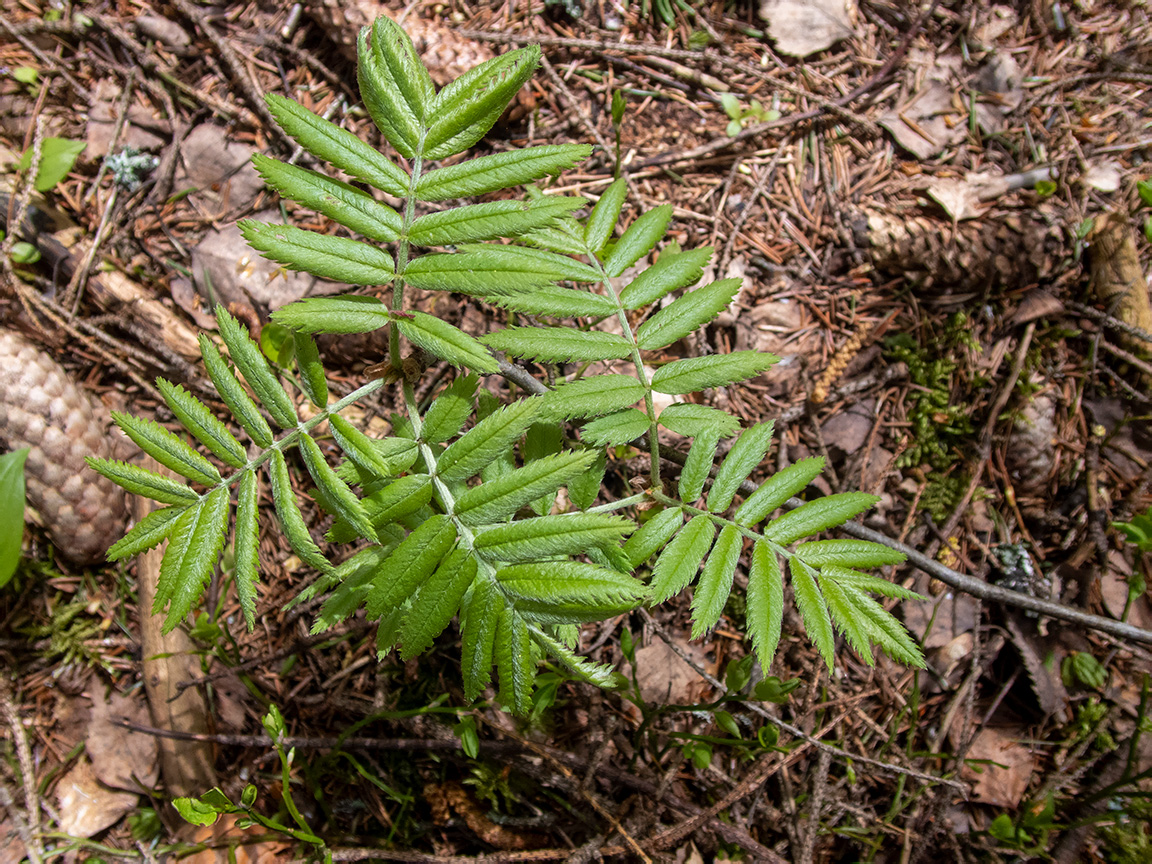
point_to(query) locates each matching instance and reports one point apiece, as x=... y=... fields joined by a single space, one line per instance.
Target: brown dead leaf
x=86 y=806
x=210 y=160
x=446 y=798
x=120 y=758
x=1114 y=590
x=1003 y=782
x=938 y=620
x=803 y=27
x=928 y=122
x=665 y=678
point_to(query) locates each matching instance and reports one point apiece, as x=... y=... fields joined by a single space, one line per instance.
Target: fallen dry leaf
x=1003 y=782
x=86 y=806
x=664 y=678
x=948 y=616
x=803 y=27
x=226 y=845
x=120 y=758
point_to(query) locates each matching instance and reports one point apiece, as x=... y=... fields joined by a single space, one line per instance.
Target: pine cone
x=42 y=408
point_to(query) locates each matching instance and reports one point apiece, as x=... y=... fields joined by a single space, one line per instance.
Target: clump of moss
x=938 y=423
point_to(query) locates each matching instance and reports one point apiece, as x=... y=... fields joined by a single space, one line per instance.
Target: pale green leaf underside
x=140 y=481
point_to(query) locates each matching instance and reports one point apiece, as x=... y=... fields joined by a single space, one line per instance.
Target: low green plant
x=441 y=522
x=11 y=512
x=740 y=116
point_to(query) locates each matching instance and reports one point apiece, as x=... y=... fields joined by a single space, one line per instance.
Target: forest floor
x=937 y=217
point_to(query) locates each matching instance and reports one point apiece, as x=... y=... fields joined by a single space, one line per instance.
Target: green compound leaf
x=479 y=616
x=714 y=370
x=858 y=581
x=313 y=380
x=351 y=581
x=568 y=592
x=198 y=556
x=338 y=201
x=489 y=221
x=671 y=272
x=250 y=361
x=697 y=465
x=616 y=429
x=765 y=597
x=716 y=580
x=847 y=554
x=502 y=497
x=550 y=536
x=638 y=240
x=678 y=563
x=140 y=481
x=450 y=410
x=604 y=216
x=167 y=449
x=557 y=302
x=559 y=344
x=692 y=421
x=291 y=519
x=238 y=402
x=494 y=271
x=205 y=428
x=498 y=171
x=247 y=544
x=848 y=619
x=817 y=516
x=778 y=489
x=591 y=397
x=887 y=632
x=686 y=314
x=399 y=499
x=514 y=661
x=437 y=602
x=485 y=441
x=596 y=674
x=442 y=340
x=813 y=609
x=323 y=255
x=467 y=108
x=337 y=146
x=394 y=114
x=653 y=535
x=335 y=491
x=746 y=454
x=409 y=565
x=150 y=531
x=348 y=313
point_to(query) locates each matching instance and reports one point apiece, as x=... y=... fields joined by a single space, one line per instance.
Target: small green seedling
x=57 y=156
x=739 y=116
